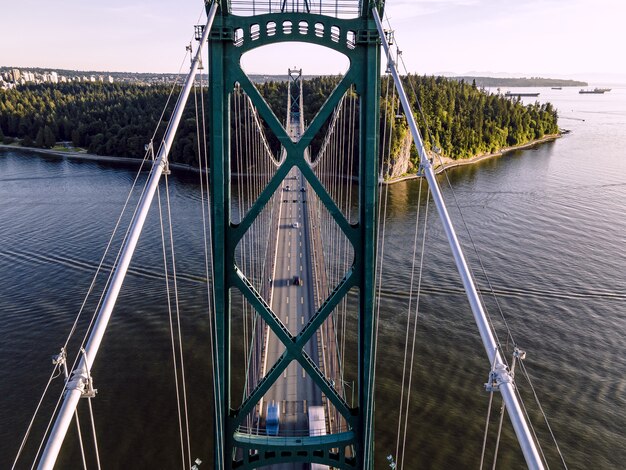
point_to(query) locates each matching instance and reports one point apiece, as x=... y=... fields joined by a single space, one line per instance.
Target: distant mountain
x=492 y=82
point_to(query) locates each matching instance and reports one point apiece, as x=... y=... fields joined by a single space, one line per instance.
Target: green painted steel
x=230 y=38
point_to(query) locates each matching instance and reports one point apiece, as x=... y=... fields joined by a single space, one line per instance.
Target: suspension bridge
x=298 y=234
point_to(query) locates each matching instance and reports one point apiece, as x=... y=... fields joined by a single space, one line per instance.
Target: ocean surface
x=548 y=224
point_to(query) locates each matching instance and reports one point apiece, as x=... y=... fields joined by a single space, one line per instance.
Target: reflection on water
x=548 y=224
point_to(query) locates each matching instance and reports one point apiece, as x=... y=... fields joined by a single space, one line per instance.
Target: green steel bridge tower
x=355 y=35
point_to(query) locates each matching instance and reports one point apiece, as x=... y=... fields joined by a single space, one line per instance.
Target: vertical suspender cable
x=502 y=375
x=80 y=375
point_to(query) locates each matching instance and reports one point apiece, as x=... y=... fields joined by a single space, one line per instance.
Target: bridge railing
x=257 y=431
x=336 y=8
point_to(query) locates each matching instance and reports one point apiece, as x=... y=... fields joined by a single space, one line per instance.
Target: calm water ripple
x=549 y=225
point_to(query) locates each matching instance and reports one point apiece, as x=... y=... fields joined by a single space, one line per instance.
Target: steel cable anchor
x=501 y=374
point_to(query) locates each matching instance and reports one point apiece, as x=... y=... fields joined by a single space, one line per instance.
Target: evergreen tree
x=48 y=137
x=119 y=119
x=39 y=140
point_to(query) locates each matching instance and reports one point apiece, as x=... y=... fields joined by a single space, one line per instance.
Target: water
x=549 y=226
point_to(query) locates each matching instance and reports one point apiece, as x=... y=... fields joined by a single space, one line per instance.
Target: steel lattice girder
x=364 y=74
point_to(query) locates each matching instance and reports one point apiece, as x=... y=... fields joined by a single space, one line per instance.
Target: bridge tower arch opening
x=346 y=27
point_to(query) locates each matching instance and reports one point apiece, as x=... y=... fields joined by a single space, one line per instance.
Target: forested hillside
x=106 y=119
x=461 y=120
x=119 y=119
x=464 y=120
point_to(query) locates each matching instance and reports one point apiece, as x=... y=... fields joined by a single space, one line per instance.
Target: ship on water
x=595 y=91
x=509 y=94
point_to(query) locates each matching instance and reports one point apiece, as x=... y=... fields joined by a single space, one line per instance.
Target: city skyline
x=552 y=38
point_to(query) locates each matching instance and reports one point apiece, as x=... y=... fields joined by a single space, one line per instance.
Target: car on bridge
x=297 y=281
x=295 y=225
x=272 y=420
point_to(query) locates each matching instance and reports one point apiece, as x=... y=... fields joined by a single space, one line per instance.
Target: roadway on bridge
x=293 y=303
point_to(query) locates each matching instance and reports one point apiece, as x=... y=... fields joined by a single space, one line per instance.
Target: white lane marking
x=302 y=320
x=289 y=255
x=287 y=320
x=300 y=255
x=300 y=243
x=303 y=373
x=300 y=266
x=287 y=299
x=288 y=267
x=301 y=300
x=285 y=375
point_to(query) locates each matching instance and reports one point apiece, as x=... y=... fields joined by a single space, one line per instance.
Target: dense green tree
x=119 y=119
x=48 y=137
x=39 y=140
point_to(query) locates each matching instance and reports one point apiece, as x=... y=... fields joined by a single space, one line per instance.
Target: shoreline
x=445 y=162
x=90 y=156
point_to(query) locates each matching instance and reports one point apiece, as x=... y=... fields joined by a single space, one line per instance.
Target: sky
x=549 y=38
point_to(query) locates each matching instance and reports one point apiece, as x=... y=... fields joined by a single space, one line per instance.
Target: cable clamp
x=424 y=164
x=518 y=355
x=82 y=380
x=149 y=149
x=59 y=359
x=390 y=64
x=165 y=163
x=497 y=376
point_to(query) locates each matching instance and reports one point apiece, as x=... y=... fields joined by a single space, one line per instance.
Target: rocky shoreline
x=441 y=165
x=444 y=163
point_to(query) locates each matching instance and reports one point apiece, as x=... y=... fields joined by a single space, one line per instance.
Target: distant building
x=16 y=74
x=26 y=76
x=110 y=79
x=92 y=79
